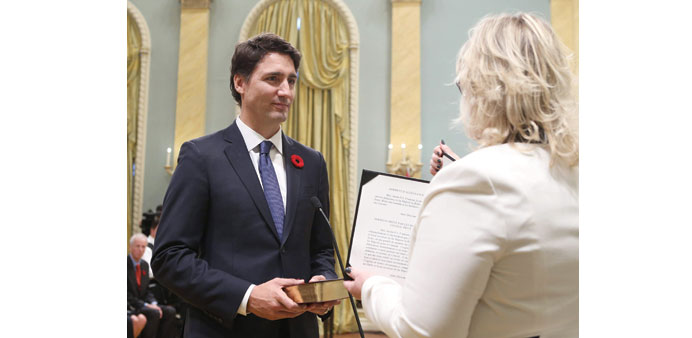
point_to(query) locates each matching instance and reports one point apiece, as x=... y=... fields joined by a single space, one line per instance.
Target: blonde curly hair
x=514 y=75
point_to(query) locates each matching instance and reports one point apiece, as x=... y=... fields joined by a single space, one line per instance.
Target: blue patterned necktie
x=270 y=183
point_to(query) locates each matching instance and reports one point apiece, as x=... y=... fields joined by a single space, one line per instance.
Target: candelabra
x=405 y=166
x=168 y=167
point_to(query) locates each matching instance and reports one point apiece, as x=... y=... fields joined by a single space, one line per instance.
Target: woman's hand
x=359 y=277
x=436 y=161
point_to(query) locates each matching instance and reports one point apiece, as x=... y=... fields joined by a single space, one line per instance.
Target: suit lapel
x=240 y=160
x=292 y=186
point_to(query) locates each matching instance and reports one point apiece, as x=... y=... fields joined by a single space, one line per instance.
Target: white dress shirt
x=252 y=141
x=148 y=253
x=495 y=253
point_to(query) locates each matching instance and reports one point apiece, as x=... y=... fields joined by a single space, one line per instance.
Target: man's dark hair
x=157 y=217
x=155 y=223
x=247 y=54
x=147 y=220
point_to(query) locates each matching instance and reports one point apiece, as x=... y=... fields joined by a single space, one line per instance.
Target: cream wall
x=444 y=27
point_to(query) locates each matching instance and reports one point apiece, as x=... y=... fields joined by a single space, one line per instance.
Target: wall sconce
x=404 y=167
x=168 y=167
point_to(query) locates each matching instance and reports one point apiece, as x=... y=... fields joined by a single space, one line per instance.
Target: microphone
x=318 y=205
x=316 y=202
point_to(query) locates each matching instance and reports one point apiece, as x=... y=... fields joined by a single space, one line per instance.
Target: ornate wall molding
x=354 y=42
x=142 y=107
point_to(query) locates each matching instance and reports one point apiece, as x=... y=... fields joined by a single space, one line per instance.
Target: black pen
x=445 y=154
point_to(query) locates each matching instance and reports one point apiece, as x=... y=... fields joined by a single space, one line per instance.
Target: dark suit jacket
x=217 y=236
x=137 y=296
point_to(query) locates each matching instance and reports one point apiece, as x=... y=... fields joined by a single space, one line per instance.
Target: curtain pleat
x=319 y=116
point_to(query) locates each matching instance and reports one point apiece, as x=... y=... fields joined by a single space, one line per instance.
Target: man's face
x=267 y=95
x=137 y=248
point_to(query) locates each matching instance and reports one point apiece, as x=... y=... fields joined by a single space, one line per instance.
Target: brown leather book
x=315 y=292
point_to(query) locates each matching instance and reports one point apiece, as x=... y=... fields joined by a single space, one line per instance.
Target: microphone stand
x=318 y=205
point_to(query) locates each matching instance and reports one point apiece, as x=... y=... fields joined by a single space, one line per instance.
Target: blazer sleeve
x=321 y=249
x=457 y=239
x=132 y=299
x=176 y=261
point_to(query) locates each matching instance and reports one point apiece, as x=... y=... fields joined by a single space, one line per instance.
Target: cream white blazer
x=495 y=252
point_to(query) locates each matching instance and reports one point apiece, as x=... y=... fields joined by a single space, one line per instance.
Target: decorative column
x=191 y=102
x=564 y=17
x=405 y=89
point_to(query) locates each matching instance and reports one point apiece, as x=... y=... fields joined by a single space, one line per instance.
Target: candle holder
x=404 y=167
x=168 y=167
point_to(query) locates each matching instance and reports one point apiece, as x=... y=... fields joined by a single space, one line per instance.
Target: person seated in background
x=495 y=249
x=160 y=318
x=156 y=289
x=161 y=293
x=149 y=250
x=135 y=324
x=147 y=219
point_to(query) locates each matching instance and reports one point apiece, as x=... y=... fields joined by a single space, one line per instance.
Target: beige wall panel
x=192 y=76
x=565 y=20
x=405 y=85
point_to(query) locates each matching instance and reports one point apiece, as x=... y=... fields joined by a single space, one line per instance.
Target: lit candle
x=403 y=151
x=389 y=153
x=420 y=151
x=168 y=157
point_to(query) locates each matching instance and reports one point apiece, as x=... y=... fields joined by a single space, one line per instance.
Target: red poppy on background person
x=297 y=161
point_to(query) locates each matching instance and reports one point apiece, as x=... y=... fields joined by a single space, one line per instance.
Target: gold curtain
x=134 y=45
x=319 y=116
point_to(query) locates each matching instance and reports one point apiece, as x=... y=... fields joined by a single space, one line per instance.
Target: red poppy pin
x=297 y=161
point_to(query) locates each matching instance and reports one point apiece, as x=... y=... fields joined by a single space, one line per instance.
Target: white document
x=386 y=212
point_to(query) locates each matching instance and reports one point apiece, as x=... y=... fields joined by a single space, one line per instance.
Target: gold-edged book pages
x=317 y=292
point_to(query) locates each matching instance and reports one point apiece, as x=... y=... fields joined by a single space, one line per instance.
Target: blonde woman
x=495 y=250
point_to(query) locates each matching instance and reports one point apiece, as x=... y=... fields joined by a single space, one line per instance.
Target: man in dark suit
x=160 y=320
x=237 y=222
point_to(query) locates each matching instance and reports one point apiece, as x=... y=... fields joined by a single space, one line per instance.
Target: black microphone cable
x=318 y=205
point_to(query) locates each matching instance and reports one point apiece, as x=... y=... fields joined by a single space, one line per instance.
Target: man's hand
x=324 y=307
x=356 y=285
x=269 y=301
x=156 y=307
